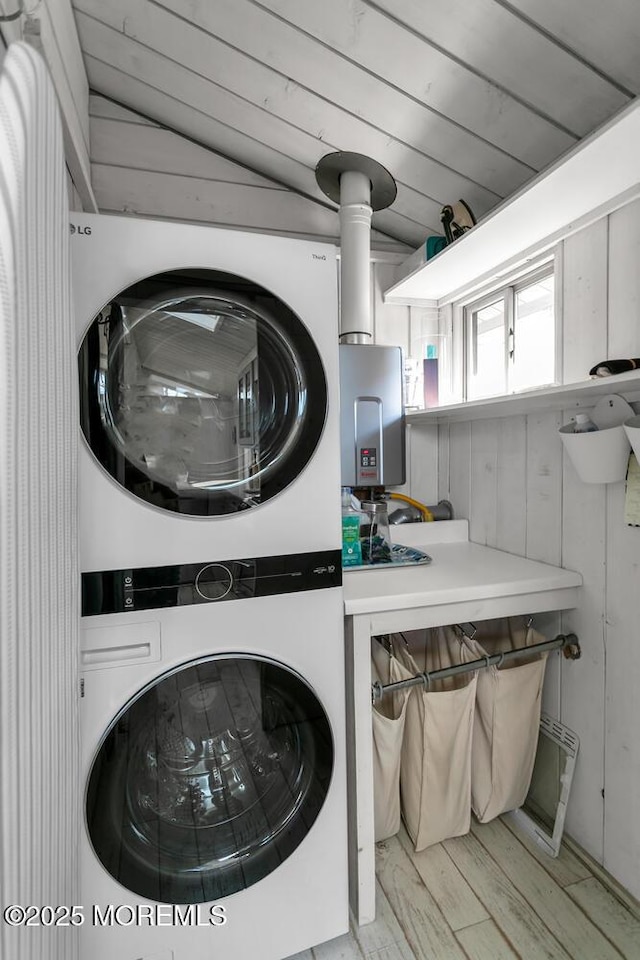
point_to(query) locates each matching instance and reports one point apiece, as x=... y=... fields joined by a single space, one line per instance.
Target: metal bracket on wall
x=571 y=647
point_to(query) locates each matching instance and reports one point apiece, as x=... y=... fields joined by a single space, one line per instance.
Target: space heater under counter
x=372 y=421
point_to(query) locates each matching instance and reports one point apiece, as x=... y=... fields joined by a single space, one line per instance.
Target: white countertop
x=460 y=573
x=465 y=582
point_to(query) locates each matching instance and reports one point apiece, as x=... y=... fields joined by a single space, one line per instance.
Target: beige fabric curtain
x=507 y=718
x=388 y=732
x=435 y=773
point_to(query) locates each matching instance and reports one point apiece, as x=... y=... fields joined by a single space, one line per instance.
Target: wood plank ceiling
x=464 y=99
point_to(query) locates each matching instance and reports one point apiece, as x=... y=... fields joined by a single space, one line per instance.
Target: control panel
x=368 y=457
x=214 y=581
x=149 y=588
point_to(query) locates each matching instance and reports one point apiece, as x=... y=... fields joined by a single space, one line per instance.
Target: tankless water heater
x=372 y=423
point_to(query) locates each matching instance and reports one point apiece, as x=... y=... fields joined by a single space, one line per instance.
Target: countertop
x=466 y=582
x=461 y=572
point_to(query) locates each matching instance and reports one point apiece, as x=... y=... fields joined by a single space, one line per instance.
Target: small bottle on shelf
x=584 y=424
x=351 y=546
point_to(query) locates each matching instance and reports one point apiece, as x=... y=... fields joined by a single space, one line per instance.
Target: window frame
x=507 y=291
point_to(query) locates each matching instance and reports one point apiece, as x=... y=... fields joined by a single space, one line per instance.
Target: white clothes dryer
x=209 y=392
x=213 y=751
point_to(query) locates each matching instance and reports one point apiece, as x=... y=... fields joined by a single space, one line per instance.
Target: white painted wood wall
x=140 y=168
x=49 y=27
x=509 y=477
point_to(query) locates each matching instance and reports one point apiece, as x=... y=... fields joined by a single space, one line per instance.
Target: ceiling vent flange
x=360 y=185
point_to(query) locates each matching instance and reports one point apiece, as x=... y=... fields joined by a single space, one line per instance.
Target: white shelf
x=586 y=393
x=595 y=177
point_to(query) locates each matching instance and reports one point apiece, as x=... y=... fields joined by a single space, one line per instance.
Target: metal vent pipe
x=360 y=185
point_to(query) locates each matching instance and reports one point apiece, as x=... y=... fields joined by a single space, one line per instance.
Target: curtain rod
x=567 y=642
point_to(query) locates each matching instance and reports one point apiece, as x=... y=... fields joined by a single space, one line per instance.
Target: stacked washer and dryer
x=213 y=718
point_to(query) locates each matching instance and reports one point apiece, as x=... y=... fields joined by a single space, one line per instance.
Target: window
x=510 y=337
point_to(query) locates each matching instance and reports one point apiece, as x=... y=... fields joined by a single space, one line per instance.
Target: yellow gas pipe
x=427 y=516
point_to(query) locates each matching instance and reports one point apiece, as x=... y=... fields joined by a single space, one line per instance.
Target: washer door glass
x=201 y=393
x=208 y=779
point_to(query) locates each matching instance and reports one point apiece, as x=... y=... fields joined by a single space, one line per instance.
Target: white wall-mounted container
x=602 y=456
x=632 y=429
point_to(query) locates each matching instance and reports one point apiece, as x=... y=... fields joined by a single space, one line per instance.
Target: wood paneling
x=342 y=948
x=330 y=50
x=564 y=869
x=221 y=119
x=239 y=93
x=511 y=486
x=584 y=318
x=390 y=320
x=455 y=898
x=150 y=194
x=270 y=93
x=483 y=510
x=443 y=463
x=609 y=43
x=385 y=933
x=483 y=941
x=385 y=47
x=622 y=754
x=51 y=29
x=146 y=146
x=624 y=282
x=459 y=491
x=424 y=926
x=582 y=706
x=422 y=464
x=559 y=913
x=616 y=922
x=467 y=102
x=492 y=895
x=142 y=168
x=516 y=917
x=543 y=519
x=502 y=474
x=468 y=33
x=544 y=488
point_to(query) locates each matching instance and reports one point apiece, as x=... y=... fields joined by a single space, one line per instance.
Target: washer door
x=208 y=779
x=201 y=393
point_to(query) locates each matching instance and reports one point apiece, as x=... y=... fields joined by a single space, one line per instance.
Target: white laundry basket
x=507 y=718
x=388 y=718
x=435 y=772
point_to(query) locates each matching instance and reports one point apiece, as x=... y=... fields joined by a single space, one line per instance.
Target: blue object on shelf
x=434 y=245
x=400 y=557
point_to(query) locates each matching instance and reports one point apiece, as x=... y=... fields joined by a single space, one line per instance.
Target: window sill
x=568 y=396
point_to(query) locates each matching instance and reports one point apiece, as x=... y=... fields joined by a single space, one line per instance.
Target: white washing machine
x=213 y=745
x=208 y=393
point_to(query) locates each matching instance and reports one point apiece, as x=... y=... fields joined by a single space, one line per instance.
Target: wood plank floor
x=490 y=895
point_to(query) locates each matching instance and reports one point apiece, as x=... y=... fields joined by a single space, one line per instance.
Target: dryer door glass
x=209 y=779
x=201 y=393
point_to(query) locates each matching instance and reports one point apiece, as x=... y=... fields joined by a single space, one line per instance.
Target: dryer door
x=201 y=393
x=208 y=779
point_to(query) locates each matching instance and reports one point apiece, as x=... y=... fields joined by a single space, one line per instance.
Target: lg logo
x=85 y=231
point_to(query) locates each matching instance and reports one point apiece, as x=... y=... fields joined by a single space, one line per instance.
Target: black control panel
x=152 y=588
x=368 y=457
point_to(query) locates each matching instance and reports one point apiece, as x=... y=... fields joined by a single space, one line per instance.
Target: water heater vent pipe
x=360 y=185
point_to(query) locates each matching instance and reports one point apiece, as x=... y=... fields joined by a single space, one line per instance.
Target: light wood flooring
x=490 y=895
